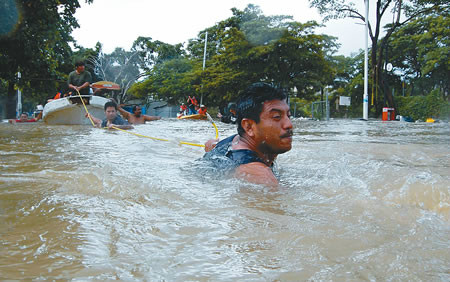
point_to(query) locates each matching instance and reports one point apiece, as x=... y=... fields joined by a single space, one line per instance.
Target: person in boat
x=24 y=118
x=192 y=104
x=264 y=131
x=202 y=110
x=136 y=117
x=80 y=79
x=112 y=118
x=183 y=109
x=230 y=115
x=58 y=95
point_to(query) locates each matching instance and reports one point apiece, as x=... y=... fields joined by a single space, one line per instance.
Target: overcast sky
x=118 y=23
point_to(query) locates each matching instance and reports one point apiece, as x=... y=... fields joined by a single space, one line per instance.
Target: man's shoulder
x=119 y=121
x=257 y=173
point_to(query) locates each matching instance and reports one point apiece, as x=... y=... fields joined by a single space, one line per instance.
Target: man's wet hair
x=110 y=104
x=79 y=63
x=250 y=103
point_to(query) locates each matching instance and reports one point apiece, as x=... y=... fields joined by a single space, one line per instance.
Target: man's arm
x=257 y=173
x=124 y=113
x=210 y=144
x=84 y=85
x=225 y=119
x=120 y=124
x=97 y=122
x=123 y=126
x=150 y=118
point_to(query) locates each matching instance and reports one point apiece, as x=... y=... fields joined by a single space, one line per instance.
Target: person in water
x=230 y=115
x=80 y=79
x=24 y=118
x=112 y=118
x=136 y=117
x=264 y=131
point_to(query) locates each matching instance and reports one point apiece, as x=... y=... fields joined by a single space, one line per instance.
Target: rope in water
x=153 y=138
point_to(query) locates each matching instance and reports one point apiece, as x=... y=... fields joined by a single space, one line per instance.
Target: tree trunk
x=388 y=98
x=11 y=102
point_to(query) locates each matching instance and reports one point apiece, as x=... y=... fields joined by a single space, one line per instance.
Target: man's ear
x=247 y=125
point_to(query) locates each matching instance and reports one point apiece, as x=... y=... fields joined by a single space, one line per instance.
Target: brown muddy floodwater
x=359 y=201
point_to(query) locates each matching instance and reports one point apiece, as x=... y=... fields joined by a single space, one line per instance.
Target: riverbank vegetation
x=36 y=41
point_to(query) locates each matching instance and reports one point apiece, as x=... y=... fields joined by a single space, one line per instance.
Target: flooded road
x=359 y=201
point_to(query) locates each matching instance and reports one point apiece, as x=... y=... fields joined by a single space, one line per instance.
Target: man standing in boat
x=264 y=131
x=136 y=117
x=80 y=79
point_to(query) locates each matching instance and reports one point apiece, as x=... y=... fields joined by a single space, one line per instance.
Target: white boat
x=70 y=110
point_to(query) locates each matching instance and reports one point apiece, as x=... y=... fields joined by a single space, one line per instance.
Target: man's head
x=264 y=117
x=110 y=110
x=232 y=108
x=23 y=117
x=137 y=111
x=79 y=66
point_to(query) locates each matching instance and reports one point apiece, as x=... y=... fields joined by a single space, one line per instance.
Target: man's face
x=80 y=69
x=273 y=133
x=138 y=112
x=23 y=117
x=110 y=113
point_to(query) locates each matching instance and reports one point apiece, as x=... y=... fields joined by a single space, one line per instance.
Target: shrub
x=423 y=107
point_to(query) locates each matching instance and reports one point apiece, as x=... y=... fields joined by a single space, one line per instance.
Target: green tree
x=38 y=46
x=420 y=52
x=242 y=49
x=402 y=12
x=155 y=52
x=253 y=47
x=121 y=67
x=348 y=81
x=170 y=80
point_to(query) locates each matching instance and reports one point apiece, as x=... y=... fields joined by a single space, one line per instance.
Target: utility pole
x=366 y=66
x=19 y=97
x=204 y=62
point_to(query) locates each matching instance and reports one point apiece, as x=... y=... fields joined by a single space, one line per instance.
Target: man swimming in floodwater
x=264 y=131
x=112 y=119
x=24 y=118
x=229 y=115
x=136 y=117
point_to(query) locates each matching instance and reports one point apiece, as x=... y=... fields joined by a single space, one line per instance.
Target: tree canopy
x=420 y=52
x=245 y=48
x=401 y=12
x=35 y=41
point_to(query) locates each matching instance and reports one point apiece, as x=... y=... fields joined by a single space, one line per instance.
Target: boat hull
x=70 y=110
x=197 y=116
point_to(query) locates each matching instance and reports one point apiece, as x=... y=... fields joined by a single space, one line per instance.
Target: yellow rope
x=85 y=108
x=215 y=127
x=153 y=138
